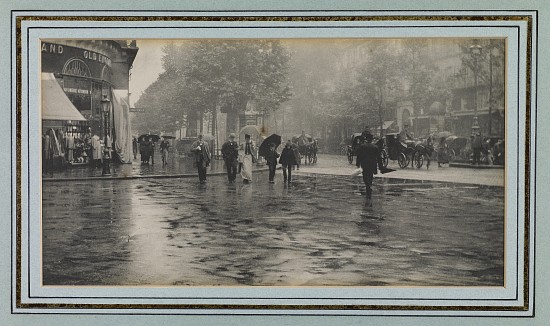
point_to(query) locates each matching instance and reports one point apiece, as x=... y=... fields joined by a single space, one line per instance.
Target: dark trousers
x=287 y=173
x=272 y=168
x=368 y=176
x=201 y=168
x=477 y=155
x=231 y=166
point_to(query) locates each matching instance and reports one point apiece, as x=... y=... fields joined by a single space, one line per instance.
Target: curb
x=471 y=166
x=132 y=177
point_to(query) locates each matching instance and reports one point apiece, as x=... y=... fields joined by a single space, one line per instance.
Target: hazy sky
x=146 y=68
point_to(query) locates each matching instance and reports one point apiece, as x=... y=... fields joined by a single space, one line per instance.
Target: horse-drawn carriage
x=357 y=139
x=308 y=149
x=407 y=152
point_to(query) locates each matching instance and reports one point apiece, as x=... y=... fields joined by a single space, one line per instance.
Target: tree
x=378 y=80
x=204 y=76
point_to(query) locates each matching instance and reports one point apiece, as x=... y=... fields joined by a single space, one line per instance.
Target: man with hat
x=202 y=157
x=368 y=158
x=230 y=153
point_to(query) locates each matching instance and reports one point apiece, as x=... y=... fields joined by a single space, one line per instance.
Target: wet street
x=317 y=232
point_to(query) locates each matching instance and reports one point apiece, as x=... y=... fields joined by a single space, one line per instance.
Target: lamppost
x=475 y=52
x=106 y=108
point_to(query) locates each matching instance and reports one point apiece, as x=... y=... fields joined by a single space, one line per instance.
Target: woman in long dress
x=248 y=159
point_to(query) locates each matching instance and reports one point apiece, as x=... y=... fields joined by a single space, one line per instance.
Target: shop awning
x=55 y=103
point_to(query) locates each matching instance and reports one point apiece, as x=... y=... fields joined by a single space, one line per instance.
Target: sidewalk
x=177 y=167
x=337 y=165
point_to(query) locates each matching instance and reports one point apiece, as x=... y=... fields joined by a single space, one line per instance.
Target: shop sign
x=76 y=90
x=86 y=54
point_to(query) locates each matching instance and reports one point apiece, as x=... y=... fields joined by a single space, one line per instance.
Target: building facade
x=91 y=73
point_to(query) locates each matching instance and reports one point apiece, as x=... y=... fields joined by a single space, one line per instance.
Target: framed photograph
x=274 y=163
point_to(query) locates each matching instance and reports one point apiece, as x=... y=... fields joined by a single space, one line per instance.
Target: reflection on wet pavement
x=316 y=232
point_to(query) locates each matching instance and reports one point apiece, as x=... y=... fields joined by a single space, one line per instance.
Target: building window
x=76 y=67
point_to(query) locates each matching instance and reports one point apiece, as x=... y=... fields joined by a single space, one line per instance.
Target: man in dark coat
x=230 y=153
x=271 y=159
x=288 y=159
x=368 y=158
x=202 y=157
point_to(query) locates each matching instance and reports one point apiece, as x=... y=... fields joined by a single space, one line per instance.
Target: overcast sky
x=146 y=68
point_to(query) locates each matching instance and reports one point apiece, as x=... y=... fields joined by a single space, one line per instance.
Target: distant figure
x=152 y=151
x=134 y=147
x=164 y=145
x=202 y=157
x=302 y=140
x=404 y=135
x=248 y=159
x=230 y=154
x=442 y=152
x=271 y=159
x=96 y=151
x=368 y=158
x=288 y=159
x=145 y=149
x=297 y=155
x=477 y=145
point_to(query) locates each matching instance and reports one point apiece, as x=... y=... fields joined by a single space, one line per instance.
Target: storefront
x=93 y=76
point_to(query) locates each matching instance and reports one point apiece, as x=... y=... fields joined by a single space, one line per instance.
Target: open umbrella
x=153 y=137
x=264 y=147
x=168 y=137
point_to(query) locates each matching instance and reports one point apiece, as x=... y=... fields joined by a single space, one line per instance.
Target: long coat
x=288 y=157
x=368 y=158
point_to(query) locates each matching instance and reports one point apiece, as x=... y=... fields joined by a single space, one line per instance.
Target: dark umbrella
x=168 y=137
x=153 y=138
x=264 y=147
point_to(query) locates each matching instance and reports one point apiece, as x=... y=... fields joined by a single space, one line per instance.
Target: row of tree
x=203 y=76
x=309 y=78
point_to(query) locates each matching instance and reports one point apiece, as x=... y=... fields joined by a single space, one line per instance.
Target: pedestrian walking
x=152 y=152
x=230 y=154
x=248 y=158
x=288 y=160
x=202 y=157
x=146 y=147
x=271 y=159
x=164 y=145
x=368 y=158
x=477 y=145
x=297 y=155
x=135 y=147
x=442 y=152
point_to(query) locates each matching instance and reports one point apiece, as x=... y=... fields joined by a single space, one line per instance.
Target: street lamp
x=475 y=52
x=106 y=108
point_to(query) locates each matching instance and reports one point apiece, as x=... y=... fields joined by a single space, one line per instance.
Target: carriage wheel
x=402 y=160
x=384 y=158
x=418 y=160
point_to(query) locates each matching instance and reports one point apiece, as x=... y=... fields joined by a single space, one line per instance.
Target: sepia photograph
x=287 y=162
